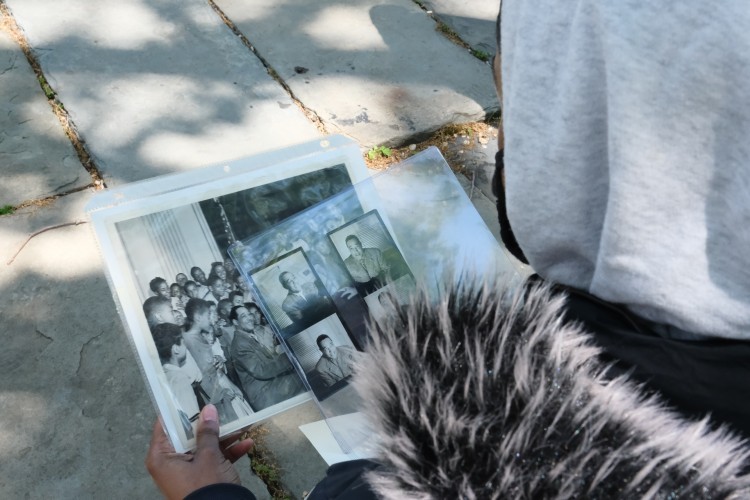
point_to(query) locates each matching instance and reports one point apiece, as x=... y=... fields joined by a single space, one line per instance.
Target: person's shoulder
x=240 y=338
x=190 y=336
x=176 y=375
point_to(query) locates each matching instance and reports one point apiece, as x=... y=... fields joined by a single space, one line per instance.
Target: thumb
x=207 y=435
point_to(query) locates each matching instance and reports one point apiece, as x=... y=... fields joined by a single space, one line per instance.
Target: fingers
x=237 y=450
x=158 y=448
x=207 y=435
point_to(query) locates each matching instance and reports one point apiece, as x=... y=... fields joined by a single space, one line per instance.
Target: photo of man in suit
x=367 y=266
x=336 y=362
x=305 y=303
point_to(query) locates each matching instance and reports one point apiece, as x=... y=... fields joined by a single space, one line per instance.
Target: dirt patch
x=451 y=140
x=264 y=464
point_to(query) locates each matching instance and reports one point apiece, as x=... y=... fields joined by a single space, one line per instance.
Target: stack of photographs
x=164 y=243
x=250 y=285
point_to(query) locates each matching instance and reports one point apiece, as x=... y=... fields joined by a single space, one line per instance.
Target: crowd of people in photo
x=215 y=345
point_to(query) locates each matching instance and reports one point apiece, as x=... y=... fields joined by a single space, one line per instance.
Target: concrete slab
x=301 y=466
x=76 y=416
x=157 y=87
x=36 y=158
x=474 y=21
x=376 y=70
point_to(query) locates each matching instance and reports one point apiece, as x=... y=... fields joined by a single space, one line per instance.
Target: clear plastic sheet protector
x=166 y=226
x=321 y=274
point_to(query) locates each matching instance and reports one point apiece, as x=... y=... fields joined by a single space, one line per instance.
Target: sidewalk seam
x=309 y=113
x=58 y=108
x=452 y=35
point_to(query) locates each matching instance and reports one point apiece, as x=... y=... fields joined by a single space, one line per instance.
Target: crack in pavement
x=60 y=187
x=83 y=348
x=309 y=113
x=12 y=65
x=43 y=335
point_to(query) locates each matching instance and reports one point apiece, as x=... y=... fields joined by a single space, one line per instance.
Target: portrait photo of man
x=304 y=304
x=293 y=294
x=328 y=357
x=336 y=362
x=369 y=253
x=366 y=266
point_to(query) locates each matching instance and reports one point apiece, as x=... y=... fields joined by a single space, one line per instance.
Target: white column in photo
x=167 y=243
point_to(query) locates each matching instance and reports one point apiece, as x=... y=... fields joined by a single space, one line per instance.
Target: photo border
x=374 y=212
x=287 y=331
x=185 y=188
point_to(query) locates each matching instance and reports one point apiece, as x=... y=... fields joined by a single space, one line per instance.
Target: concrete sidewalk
x=157 y=87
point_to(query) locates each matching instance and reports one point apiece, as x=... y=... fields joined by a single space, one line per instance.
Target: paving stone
x=473 y=21
x=36 y=158
x=76 y=414
x=301 y=466
x=376 y=70
x=157 y=87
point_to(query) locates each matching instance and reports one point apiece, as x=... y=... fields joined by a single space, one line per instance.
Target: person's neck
x=195 y=330
x=175 y=362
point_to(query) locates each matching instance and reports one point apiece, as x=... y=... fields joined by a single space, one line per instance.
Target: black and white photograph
x=292 y=293
x=327 y=356
x=369 y=253
x=264 y=372
x=237 y=216
x=308 y=231
x=391 y=300
x=180 y=292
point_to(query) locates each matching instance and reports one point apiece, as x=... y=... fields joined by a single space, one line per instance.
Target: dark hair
x=192 y=308
x=235 y=294
x=213 y=274
x=195 y=268
x=233 y=312
x=175 y=284
x=222 y=303
x=320 y=339
x=352 y=237
x=165 y=336
x=153 y=303
x=212 y=280
x=282 y=280
x=154 y=284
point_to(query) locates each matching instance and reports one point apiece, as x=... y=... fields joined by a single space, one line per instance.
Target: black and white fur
x=489 y=394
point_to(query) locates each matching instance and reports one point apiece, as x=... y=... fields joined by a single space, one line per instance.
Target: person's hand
x=179 y=474
x=218 y=363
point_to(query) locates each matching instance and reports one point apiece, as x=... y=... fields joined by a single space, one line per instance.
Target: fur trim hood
x=490 y=394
